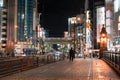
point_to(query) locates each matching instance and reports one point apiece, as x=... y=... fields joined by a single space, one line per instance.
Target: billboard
x=1 y=3
x=109 y=15
x=100 y=20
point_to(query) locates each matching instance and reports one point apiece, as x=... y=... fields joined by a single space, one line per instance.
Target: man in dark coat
x=71 y=54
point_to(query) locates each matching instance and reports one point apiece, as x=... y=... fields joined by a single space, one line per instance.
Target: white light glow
x=22 y=16
x=1 y=3
x=100 y=20
x=119 y=19
x=116 y=5
x=118 y=26
x=73 y=20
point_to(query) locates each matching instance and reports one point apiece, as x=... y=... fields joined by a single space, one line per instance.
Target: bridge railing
x=14 y=65
x=112 y=58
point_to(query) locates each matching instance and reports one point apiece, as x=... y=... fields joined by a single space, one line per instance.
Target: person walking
x=71 y=54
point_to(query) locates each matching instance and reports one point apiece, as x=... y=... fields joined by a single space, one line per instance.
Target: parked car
x=57 y=54
x=80 y=55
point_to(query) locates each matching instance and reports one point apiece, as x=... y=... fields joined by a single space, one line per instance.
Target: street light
x=103 y=41
x=74 y=28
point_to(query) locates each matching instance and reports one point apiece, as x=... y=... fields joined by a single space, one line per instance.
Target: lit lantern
x=103 y=41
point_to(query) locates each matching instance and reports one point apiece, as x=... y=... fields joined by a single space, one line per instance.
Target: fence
x=19 y=64
x=113 y=58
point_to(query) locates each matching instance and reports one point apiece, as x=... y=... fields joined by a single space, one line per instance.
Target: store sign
x=1 y=3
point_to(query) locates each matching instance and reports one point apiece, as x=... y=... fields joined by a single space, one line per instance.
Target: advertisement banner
x=109 y=15
x=1 y=3
x=100 y=20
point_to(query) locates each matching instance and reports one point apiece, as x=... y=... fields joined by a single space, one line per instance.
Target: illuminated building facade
x=108 y=14
x=116 y=25
x=100 y=20
x=11 y=23
x=19 y=21
x=116 y=18
x=71 y=26
x=25 y=19
x=88 y=33
x=3 y=24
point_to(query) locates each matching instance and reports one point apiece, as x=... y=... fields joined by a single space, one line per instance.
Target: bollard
x=119 y=60
x=21 y=65
x=37 y=61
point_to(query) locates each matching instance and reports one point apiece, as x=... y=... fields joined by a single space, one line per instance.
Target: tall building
x=98 y=9
x=116 y=26
x=21 y=15
x=11 y=24
x=25 y=19
x=3 y=24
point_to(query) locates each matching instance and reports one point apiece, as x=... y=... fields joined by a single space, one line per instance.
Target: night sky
x=56 y=12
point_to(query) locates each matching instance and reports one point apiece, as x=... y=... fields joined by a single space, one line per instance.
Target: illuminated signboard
x=109 y=15
x=1 y=3
x=100 y=20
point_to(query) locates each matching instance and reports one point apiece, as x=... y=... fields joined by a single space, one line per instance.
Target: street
x=79 y=69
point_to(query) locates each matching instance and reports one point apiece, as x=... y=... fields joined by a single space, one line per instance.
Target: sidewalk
x=79 y=69
x=103 y=71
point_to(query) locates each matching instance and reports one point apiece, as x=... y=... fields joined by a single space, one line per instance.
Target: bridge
x=47 y=67
x=58 y=40
x=64 y=42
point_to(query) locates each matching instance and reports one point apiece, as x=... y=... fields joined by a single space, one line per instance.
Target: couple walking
x=71 y=54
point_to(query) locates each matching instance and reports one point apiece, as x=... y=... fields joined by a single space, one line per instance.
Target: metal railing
x=19 y=64
x=112 y=58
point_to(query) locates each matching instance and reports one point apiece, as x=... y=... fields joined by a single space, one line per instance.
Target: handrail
x=112 y=58
x=20 y=64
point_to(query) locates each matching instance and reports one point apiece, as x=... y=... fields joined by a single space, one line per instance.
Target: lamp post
x=103 y=41
x=74 y=31
x=79 y=40
x=74 y=35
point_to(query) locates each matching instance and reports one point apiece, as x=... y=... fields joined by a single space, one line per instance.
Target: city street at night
x=79 y=69
x=59 y=39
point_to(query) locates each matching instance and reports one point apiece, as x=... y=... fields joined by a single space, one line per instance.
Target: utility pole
x=74 y=35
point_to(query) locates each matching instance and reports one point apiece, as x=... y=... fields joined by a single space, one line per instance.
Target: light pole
x=74 y=35
x=74 y=31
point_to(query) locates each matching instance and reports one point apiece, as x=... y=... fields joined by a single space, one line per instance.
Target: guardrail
x=14 y=65
x=113 y=59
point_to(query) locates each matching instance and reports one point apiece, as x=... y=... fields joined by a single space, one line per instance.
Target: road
x=79 y=69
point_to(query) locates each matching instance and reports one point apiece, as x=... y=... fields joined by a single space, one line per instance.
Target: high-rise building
x=3 y=24
x=21 y=21
x=11 y=24
x=25 y=19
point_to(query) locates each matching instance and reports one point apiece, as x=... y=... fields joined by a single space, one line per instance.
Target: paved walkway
x=79 y=69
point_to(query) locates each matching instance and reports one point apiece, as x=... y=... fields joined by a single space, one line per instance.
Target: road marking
x=44 y=71
x=67 y=70
x=89 y=71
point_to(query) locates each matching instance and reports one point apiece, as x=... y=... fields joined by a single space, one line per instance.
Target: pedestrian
x=84 y=53
x=71 y=54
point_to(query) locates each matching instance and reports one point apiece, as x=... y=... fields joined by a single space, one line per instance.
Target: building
x=3 y=24
x=25 y=19
x=21 y=21
x=116 y=26
x=76 y=31
x=107 y=12
x=11 y=24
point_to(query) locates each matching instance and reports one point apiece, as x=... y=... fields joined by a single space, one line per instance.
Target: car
x=57 y=54
x=80 y=55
